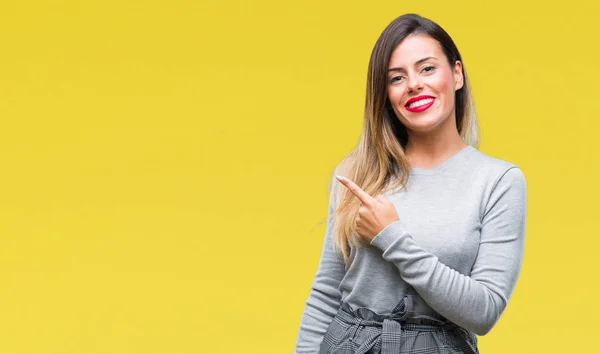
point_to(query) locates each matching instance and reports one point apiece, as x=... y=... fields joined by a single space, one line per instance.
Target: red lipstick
x=420 y=108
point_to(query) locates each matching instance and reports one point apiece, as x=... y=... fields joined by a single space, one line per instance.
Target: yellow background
x=164 y=164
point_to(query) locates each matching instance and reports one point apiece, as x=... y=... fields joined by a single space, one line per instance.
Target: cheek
x=390 y=94
x=395 y=96
x=445 y=88
x=442 y=83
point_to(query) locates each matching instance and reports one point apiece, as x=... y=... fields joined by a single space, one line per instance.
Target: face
x=421 y=85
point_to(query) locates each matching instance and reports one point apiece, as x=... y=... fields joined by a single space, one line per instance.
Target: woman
x=425 y=235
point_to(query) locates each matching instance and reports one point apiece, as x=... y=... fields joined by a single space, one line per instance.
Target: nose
x=414 y=83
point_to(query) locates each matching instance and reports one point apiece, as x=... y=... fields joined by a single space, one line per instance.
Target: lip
x=420 y=108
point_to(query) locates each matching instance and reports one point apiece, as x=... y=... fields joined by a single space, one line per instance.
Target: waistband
x=405 y=311
x=391 y=325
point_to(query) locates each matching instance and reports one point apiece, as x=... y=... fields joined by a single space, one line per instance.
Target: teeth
x=420 y=102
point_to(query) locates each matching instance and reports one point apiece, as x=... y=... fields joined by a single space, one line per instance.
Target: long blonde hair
x=379 y=156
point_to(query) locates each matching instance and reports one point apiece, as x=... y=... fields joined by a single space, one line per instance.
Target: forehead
x=413 y=48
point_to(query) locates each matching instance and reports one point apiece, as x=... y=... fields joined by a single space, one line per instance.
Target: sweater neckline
x=439 y=167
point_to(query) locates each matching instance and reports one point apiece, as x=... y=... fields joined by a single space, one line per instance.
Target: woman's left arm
x=477 y=301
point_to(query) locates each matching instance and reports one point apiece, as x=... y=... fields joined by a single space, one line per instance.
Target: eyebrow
x=416 y=63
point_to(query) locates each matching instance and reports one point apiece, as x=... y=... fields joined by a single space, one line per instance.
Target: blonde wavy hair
x=379 y=156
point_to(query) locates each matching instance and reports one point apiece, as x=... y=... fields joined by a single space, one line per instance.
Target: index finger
x=356 y=190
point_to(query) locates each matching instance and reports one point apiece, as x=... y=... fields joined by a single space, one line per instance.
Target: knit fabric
x=458 y=248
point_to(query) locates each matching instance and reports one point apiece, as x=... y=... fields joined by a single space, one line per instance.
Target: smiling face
x=421 y=85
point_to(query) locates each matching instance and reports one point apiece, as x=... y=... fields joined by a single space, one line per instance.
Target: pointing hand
x=374 y=213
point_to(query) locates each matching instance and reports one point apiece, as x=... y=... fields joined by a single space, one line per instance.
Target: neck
x=427 y=150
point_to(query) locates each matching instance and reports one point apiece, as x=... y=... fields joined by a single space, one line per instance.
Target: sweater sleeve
x=324 y=298
x=476 y=301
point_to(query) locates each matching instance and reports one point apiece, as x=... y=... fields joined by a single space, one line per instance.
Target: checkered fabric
x=364 y=331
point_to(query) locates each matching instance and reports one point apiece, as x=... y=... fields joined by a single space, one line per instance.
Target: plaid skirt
x=364 y=331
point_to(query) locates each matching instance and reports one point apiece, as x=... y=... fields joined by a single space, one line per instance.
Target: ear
x=458 y=76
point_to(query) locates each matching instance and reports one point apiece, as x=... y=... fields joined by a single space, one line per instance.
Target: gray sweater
x=458 y=247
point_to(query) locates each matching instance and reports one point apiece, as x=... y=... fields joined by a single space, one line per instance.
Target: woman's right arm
x=324 y=299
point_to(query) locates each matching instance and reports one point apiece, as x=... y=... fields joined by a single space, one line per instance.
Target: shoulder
x=498 y=179
x=501 y=183
x=495 y=169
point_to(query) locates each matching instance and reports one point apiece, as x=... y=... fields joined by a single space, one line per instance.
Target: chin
x=423 y=125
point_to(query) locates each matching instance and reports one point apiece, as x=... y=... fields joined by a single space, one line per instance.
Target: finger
x=356 y=190
x=382 y=198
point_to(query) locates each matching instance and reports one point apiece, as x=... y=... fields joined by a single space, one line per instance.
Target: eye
x=428 y=68
x=396 y=79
